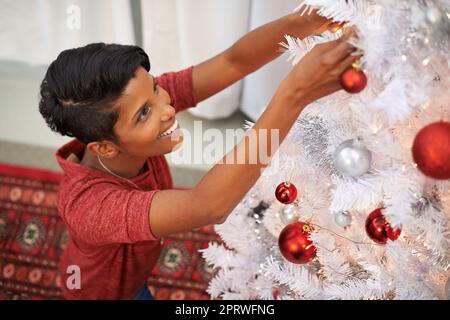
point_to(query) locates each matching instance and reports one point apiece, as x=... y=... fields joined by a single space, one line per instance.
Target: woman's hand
x=302 y=26
x=318 y=73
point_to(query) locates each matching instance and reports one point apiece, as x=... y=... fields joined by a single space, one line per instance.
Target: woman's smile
x=172 y=131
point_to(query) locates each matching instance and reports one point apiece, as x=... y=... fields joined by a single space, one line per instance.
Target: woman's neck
x=122 y=165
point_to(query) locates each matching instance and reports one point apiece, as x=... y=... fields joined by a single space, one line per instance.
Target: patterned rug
x=32 y=237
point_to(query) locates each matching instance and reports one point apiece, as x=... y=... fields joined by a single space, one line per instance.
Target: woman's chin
x=173 y=142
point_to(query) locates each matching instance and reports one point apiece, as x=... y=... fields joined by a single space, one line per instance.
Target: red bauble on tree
x=431 y=150
x=379 y=229
x=354 y=80
x=286 y=192
x=294 y=243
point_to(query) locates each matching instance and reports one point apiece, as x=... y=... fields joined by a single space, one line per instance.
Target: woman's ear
x=104 y=149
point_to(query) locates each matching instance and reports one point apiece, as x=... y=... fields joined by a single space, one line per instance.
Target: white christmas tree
x=350 y=155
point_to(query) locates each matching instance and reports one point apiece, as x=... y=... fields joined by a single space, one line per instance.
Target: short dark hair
x=80 y=86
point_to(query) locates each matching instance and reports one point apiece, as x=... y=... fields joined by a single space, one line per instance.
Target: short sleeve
x=179 y=85
x=107 y=213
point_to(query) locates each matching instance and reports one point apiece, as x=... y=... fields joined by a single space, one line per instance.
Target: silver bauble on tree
x=288 y=214
x=343 y=218
x=352 y=158
x=433 y=14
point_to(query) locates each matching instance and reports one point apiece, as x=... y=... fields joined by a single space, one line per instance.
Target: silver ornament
x=433 y=14
x=288 y=214
x=352 y=158
x=343 y=218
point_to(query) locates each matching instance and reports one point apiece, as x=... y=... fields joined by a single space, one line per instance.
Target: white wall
x=32 y=34
x=20 y=120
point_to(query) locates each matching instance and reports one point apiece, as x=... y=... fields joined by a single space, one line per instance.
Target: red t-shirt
x=107 y=218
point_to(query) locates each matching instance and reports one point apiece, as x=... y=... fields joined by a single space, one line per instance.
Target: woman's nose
x=168 y=113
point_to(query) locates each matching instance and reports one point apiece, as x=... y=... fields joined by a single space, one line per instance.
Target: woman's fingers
x=339 y=53
x=327 y=46
x=346 y=63
x=338 y=50
x=335 y=26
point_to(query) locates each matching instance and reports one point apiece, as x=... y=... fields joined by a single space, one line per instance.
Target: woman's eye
x=144 y=113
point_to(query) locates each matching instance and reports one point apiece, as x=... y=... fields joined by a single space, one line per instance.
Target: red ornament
x=286 y=192
x=379 y=230
x=294 y=243
x=431 y=150
x=353 y=80
x=276 y=293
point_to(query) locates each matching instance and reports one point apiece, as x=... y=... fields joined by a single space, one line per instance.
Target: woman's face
x=146 y=125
